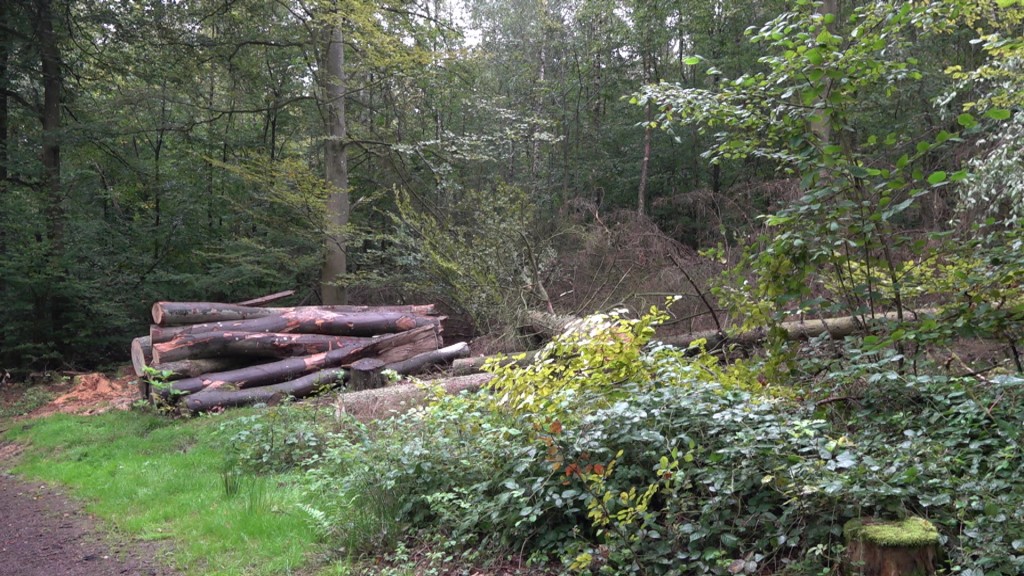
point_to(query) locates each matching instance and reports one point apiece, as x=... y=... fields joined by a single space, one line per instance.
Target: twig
x=700 y=293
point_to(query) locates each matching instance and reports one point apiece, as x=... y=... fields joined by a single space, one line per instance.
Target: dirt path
x=44 y=533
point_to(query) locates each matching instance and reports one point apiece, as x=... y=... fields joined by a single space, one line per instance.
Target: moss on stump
x=906 y=547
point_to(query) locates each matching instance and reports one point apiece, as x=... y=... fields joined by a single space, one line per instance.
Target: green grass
x=154 y=478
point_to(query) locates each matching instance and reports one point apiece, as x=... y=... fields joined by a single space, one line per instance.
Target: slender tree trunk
x=641 y=197
x=336 y=161
x=50 y=302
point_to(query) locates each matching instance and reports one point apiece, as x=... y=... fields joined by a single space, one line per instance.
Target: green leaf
x=936 y=177
x=998 y=113
x=692 y=60
x=814 y=56
x=966 y=120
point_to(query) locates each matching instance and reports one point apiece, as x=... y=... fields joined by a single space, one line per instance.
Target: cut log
x=297 y=388
x=263 y=300
x=383 y=402
x=142 y=354
x=420 y=362
x=249 y=344
x=476 y=364
x=308 y=321
x=191 y=368
x=902 y=548
x=184 y=313
x=366 y=374
x=284 y=370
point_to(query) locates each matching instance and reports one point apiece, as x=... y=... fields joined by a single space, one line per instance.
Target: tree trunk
x=182 y=313
x=283 y=370
x=382 y=402
x=336 y=162
x=420 y=362
x=298 y=388
x=550 y=325
x=142 y=357
x=249 y=344
x=308 y=321
x=464 y=366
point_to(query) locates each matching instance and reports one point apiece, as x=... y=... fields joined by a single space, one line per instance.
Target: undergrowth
x=613 y=455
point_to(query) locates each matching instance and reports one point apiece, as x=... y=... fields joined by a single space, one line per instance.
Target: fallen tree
x=551 y=324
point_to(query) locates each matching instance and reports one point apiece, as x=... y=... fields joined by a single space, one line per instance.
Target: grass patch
x=156 y=479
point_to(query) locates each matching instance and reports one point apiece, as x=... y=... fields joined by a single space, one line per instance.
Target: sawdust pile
x=93 y=394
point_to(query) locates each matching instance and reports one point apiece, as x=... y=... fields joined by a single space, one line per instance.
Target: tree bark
x=283 y=370
x=336 y=163
x=249 y=344
x=182 y=313
x=366 y=373
x=463 y=366
x=309 y=321
x=142 y=356
x=420 y=362
x=297 y=388
x=383 y=402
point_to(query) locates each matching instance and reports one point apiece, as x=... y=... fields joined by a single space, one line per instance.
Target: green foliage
x=484 y=252
x=274 y=440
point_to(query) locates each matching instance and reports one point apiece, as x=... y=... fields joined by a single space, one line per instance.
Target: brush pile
x=207 y=355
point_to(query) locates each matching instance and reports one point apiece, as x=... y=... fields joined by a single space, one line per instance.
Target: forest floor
x=42 y=530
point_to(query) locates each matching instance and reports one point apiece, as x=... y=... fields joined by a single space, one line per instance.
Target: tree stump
x=366 y=374
x=907 y=547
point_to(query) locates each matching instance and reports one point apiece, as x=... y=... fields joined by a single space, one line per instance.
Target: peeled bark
x=297 y=388
x=308 y=321
x=182 y=313
x=284 y=370
x=249 y=344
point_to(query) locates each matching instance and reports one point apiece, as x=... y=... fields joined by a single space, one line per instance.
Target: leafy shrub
x=276 y=439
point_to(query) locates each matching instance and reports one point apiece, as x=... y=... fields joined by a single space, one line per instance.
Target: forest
x=659 y=168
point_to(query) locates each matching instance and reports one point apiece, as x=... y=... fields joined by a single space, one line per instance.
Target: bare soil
x=43 y=532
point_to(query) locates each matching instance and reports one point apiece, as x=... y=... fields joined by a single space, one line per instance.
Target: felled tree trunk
x=183 y=313
x=382 y=402
x=299 y=388
x=905 y=548
x=551 y=325
x=420 y=362
x=284 y=370
x=308 y=321
x=462 y=366
x=249 y=344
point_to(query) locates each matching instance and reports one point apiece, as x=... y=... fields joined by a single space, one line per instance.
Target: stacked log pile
x=211 y=355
